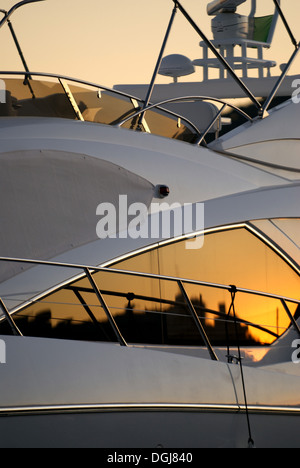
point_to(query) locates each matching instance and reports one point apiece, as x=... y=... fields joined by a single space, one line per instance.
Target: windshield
x=68 y=100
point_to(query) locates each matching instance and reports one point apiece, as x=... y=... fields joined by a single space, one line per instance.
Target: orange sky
x=116 y=41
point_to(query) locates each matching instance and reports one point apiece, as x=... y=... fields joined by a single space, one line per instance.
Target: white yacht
x=115 y=333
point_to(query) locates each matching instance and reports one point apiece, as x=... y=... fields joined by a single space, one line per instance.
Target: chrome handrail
x=190 y=98
x=9 y=13
x=28 y=75
x=95 y=269
x=140 y=112
x=68 y=78
x=59 y=77
x=89 y=270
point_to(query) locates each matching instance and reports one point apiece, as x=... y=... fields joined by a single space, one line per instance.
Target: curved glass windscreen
x=61 y=98
x=34 y=98
x=230 y=257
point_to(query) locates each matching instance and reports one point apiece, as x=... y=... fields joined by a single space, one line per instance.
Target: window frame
x=108 y=265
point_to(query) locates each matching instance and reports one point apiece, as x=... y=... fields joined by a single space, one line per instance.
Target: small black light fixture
x=162 y=191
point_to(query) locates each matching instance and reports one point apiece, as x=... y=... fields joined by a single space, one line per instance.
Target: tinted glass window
x=232 y=257
x=37 y=98
x=71 y=313
x=154 y=311
x=148 y=311
x=33 y=98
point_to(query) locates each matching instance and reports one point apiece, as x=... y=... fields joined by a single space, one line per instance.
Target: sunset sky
x=117 y=41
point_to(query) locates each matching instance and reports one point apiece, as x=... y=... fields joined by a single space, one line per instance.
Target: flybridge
x=220 y=50
x=235 y=32
x=193 y=117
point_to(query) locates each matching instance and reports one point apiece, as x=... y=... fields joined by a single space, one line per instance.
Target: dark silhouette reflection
x=142 y=320
x=221 y=329
x=174 y=325
x=43 y=325
x=158 y=325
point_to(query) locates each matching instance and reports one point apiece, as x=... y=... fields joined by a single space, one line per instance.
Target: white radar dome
x=176 y=65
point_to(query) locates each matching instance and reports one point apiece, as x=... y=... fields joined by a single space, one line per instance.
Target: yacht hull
x=57 y=393
x=146 y=428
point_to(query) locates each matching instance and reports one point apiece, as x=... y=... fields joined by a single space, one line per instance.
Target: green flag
x=262 y=28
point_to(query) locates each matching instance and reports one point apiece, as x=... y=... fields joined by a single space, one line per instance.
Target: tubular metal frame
x=191 y=98
x=262 y=109
x=88 y=270
x=9 y=13
x=107 y=267
x=140 y=111
x=221 y=59
x=65 y=88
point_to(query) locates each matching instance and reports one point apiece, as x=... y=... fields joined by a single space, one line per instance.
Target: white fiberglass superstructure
x=143 y=340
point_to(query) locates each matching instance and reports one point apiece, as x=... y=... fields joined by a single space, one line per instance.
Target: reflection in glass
x=238 y=257
x=152 y=311
x=70 y=313
x=102 y=106
x=37 y=98
x=40 y=99
x=148 y=311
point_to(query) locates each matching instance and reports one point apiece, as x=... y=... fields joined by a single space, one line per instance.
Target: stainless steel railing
x=136 y=104
x=88 y=271
x=138 y=110
x=202 y=136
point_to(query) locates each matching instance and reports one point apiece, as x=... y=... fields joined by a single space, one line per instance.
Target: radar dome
x=176 y=65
